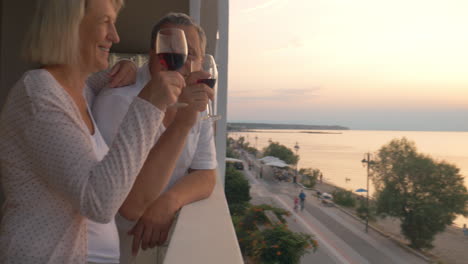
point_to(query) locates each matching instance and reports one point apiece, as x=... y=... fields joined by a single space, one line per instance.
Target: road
x=341 y=238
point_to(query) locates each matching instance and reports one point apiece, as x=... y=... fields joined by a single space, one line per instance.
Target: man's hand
x=153 y=227
x=196 y=96
x=200 y=92
x=122 y=74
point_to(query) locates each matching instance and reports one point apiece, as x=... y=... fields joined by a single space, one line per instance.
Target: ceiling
x=137 y=18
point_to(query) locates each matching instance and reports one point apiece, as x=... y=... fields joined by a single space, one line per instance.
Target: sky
x=364 y=64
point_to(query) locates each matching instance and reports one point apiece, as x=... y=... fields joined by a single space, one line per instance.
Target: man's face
x=194 y=50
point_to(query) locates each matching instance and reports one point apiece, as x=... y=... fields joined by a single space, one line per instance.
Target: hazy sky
x=366 y=64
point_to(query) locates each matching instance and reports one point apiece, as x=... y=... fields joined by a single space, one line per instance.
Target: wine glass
x=171 y=48
x=209 y=65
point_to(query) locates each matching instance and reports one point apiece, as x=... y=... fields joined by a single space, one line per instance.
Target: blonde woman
x=57 y=172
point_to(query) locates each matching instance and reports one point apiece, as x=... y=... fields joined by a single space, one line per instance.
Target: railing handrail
x=204 y=233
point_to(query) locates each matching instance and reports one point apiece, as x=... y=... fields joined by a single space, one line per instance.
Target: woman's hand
x=163 y=89
x=123 y=73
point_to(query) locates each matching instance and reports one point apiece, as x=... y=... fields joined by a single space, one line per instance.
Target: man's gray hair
x=178 y=19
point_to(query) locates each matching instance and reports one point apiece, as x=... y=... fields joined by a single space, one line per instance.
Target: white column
x=195 y=6
x=222 y=49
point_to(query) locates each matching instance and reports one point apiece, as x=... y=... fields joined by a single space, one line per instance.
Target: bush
x=280 y=245
x=274 y=244
x=344 y=198
x=237 y=190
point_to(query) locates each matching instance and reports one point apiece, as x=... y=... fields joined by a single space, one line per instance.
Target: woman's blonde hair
x=53 y=36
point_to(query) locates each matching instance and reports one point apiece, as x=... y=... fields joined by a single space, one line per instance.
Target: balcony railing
x=203 y=234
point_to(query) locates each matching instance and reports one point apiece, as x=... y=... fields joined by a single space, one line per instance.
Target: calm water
x=339 y=156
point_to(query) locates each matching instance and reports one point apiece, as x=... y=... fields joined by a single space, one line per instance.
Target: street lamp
x=296 y=148
x=366 y=161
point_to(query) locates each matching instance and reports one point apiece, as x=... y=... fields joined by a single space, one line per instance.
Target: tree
x=309 y=176
x=251 y=150
x=237 y=190
x=230 y=151
x=282 y=152
x=426 y=195
x=242 y=143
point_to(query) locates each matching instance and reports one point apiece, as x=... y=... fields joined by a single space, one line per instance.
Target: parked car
x=327 y=199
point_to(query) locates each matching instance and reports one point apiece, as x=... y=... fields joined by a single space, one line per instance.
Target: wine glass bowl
x=208 y=65
x=171 y=48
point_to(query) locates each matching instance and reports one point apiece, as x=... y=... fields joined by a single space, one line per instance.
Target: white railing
x=204 y=233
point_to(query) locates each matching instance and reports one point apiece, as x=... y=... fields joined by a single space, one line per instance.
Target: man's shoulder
x=126 y=91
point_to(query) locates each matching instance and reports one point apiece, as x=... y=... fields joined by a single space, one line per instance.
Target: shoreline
x=346 y=146
x=284 y=132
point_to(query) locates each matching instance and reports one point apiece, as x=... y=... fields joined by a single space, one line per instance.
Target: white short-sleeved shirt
x=111 y=105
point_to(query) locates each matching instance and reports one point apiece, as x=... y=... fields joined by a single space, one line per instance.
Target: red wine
x=210 y=82
x=173 y=61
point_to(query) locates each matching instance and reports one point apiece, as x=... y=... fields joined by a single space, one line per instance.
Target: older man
x=185 y=146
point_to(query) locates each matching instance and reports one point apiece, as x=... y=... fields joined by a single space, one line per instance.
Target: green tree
x=237 y=190
x=251 y=150
x=426 y=195
x=242 y=143
x=230 y=141
x=282 y=152
x=344 y=198
x=309 y=176
x=230 y=152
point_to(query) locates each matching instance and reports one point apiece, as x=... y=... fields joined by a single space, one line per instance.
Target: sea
x=338 y=153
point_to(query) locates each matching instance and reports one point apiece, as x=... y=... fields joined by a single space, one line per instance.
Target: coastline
x=287 y=131
x=339 y=156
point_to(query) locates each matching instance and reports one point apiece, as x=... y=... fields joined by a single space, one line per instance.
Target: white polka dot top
x=51 y=178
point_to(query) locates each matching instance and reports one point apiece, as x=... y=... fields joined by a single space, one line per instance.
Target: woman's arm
x=156 y=172
x=60 y=150
x=162 y=159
